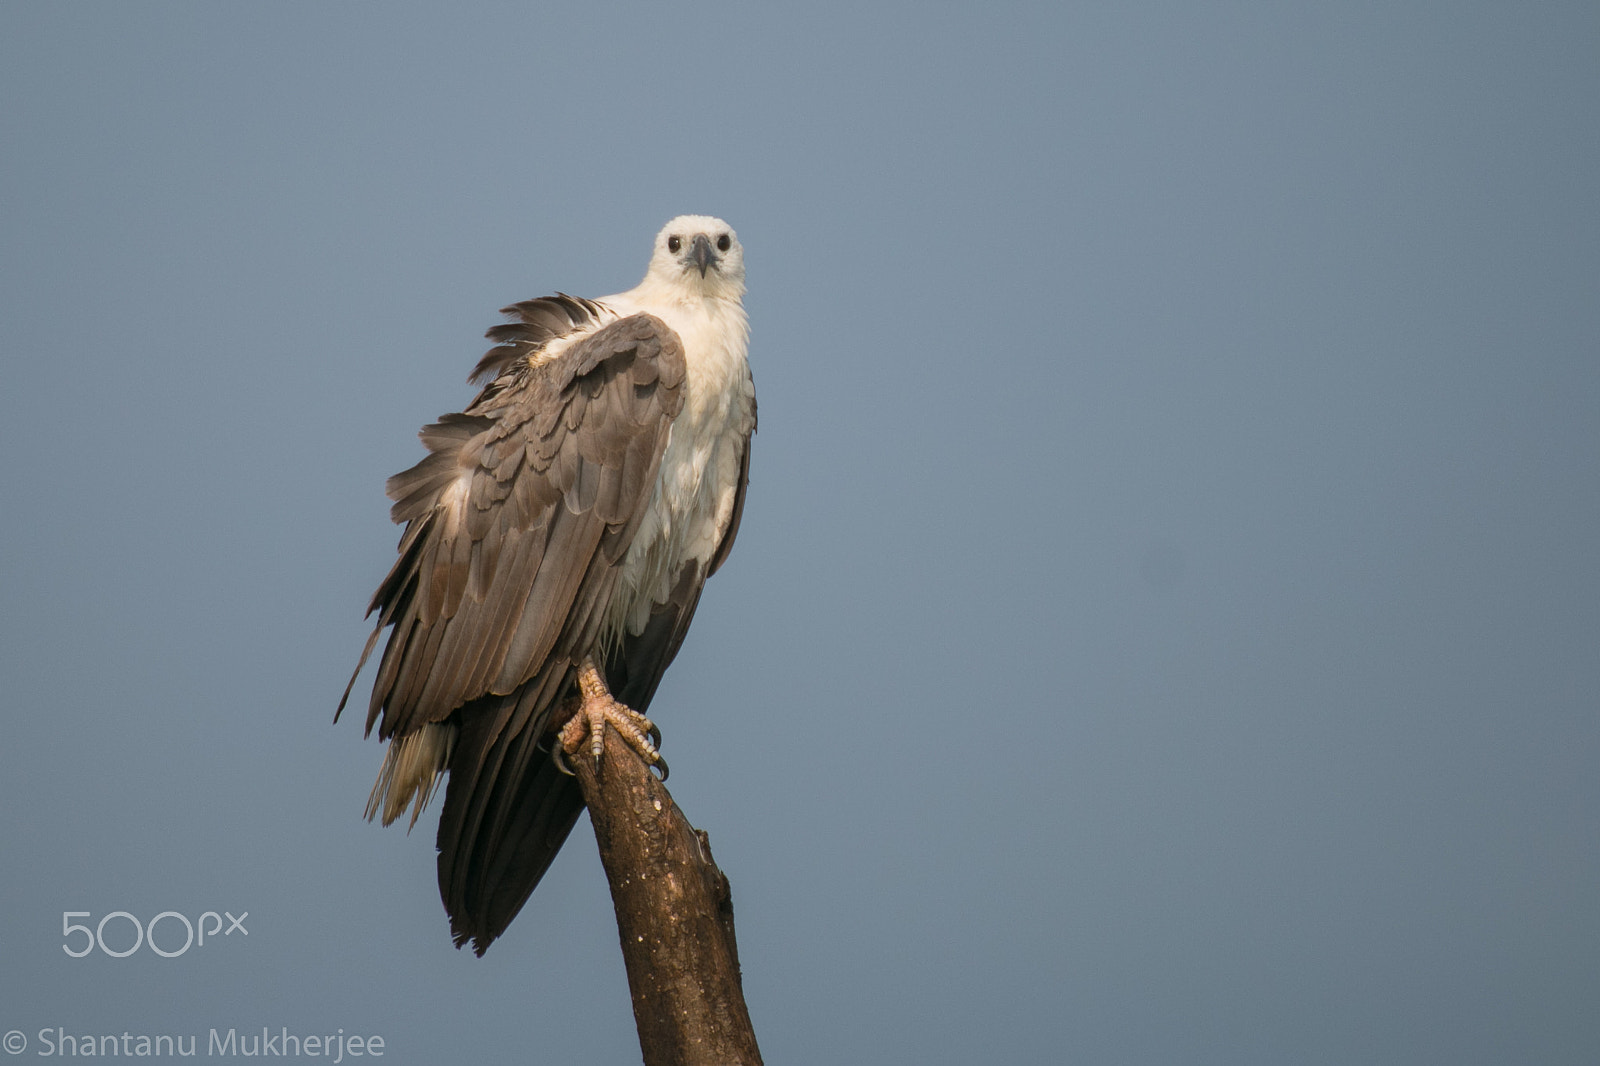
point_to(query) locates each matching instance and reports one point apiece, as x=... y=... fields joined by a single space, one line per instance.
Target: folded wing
x=516 y=524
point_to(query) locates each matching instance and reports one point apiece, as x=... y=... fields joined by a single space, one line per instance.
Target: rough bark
x=674 y=916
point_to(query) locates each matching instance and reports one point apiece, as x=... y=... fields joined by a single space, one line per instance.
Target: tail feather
x=508 y=808
x=507 y=811
x=412 y=769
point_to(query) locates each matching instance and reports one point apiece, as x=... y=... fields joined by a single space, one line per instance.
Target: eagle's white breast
x=692 y=502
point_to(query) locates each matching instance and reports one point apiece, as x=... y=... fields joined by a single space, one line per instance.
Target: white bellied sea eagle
x=556 y=540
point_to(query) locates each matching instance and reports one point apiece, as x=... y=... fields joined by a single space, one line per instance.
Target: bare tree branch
x=674 y=917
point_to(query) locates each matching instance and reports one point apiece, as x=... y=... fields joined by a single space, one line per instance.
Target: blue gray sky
x=1166 y=621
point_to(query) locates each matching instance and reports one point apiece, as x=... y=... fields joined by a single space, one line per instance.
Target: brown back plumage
x=535 y=323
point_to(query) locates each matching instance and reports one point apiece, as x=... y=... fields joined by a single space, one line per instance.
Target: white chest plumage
x=692 y=503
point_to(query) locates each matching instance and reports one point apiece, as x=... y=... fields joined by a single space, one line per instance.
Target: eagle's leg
x=597 y=709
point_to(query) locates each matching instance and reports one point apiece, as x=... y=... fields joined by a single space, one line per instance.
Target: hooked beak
x=701 y=253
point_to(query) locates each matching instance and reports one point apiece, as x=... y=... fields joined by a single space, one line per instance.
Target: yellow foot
x=596 y=710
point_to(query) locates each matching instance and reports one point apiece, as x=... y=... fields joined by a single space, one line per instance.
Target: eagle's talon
x=661 y=765
x=559 y=757
x=596 y=709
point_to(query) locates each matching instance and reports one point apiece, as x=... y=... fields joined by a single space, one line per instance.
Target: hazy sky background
x=1166 y=622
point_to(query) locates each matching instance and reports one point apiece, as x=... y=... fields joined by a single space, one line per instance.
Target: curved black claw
x=655 y=735
x=661 y=765
x=559 y=757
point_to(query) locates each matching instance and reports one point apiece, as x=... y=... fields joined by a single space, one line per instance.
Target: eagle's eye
x=674 y=243
x=723 y=242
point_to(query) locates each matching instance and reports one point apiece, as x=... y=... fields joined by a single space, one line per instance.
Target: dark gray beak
x=702 y=254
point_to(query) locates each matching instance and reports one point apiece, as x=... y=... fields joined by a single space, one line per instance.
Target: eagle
x=557 y=537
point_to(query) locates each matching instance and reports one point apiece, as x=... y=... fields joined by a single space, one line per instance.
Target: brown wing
x=516 y=523
x=545 y=475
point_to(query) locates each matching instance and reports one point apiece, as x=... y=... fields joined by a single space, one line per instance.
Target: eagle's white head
x=697 y=255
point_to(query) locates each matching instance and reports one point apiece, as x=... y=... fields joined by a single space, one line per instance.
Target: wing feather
x=478 y=659
x=550 y=601
x=504 y=514
x=538 y=322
